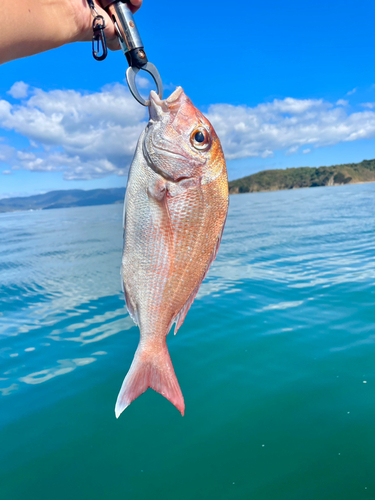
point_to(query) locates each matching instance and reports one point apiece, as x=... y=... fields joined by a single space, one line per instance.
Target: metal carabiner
x=132 y=47
x=98 y=39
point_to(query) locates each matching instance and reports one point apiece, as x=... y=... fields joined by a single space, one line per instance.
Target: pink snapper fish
x=176 y=206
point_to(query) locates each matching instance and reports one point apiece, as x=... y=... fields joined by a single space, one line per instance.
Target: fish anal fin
x=129 y=305
x=150 y=368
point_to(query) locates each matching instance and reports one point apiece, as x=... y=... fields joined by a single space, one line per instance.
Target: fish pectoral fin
x=180 y=186
x=157 y=189
x=150 y=368
x=157 y=193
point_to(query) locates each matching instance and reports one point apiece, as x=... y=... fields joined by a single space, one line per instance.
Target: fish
x=176 y=205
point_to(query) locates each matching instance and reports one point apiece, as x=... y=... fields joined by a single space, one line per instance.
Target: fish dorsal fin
x=180 y=317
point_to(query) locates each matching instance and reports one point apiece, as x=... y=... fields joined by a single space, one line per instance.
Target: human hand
x=35 y=26
x=83 y=21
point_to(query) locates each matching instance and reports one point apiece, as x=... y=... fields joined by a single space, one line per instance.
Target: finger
x=135 y=5
x=113 y=43
x=109 y=30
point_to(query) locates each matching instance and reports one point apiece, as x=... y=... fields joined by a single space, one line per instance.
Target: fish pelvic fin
x=150 y=368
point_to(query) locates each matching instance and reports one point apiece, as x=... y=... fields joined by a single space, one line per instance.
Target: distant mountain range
x=268 y=180
x=64 y=199
x=294 y=178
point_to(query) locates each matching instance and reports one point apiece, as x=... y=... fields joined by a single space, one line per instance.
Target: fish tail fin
x=150 y=368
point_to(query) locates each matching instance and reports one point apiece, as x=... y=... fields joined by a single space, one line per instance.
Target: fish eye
x=200 y=139
x=199 y=136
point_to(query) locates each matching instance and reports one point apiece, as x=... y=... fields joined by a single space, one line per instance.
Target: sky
x=285 y=84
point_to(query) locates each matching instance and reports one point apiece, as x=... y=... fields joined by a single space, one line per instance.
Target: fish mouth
x=154 y=98
x=158 y=107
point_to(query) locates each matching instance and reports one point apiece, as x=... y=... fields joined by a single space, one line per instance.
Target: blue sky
x=285 y=84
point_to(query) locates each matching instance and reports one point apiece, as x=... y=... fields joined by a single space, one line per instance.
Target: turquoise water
x=276 y=359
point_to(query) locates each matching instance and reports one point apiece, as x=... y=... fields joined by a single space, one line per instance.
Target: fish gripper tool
x=131 y=44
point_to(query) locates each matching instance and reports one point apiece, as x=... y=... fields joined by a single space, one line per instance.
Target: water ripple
x=64 y=366
x=289 y=262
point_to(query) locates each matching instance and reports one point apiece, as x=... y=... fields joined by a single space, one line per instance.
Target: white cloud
x=292 y=150
x=6 y=153
x=142 y=82
x=306 y=151
x=92 y=135
x=351 y=92
x=169 y=86
x=368 y=105
x=83 y=135
x=7 y=172
x=342 y=102
x=285 y=125
x=21 y=155
x=19 y=90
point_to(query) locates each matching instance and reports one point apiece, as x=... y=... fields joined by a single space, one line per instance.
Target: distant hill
x=64 y=199
x=268 y=180
x=294 y=178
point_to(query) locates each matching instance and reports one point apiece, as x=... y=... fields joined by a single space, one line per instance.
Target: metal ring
x=131 y=73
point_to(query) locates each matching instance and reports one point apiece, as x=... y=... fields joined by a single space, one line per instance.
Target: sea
x=276 y=358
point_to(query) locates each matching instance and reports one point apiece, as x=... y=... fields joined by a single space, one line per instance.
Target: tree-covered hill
x=294 y=178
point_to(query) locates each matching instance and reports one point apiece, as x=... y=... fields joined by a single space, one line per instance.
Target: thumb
x=110 y=30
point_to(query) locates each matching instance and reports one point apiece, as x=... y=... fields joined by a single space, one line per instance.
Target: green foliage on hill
x=294 y=178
